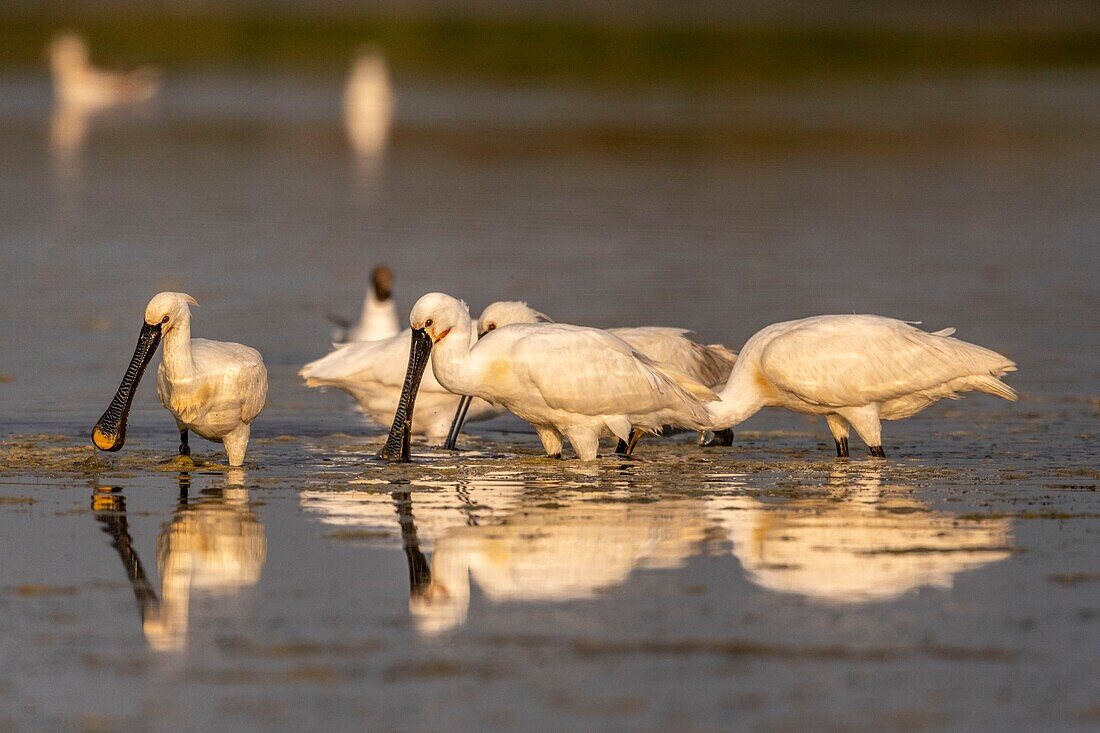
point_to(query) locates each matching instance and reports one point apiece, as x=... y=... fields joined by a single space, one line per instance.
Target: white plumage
x=215 y=389
x=708 y=365
x=568 y=381
x=378 y=318
x=855 y=370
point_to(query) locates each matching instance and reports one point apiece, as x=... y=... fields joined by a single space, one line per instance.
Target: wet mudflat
x=765 y=586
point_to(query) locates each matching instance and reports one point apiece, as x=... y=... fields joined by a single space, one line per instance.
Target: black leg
x=842 y=448
x=554 y=456
x=877 y=451
x=626 y=448
x=719 y=438
x=185 y=450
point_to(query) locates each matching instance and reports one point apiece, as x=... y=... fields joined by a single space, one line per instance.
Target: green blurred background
x=617 y=42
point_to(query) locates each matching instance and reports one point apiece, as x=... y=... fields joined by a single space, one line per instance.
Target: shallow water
x=953 y=585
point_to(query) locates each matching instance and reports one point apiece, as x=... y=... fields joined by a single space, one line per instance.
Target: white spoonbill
x=708 y=365
x=214 y=389
x=368 y=103
x=378 y=319
x=568 y=381
x=373 y=372
x=79 y=84
x=855 y=370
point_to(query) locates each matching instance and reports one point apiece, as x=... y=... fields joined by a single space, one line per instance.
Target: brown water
x=763 y=586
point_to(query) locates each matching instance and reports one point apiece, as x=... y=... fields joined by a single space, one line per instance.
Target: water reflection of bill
x=852 y=541
x=214 y=546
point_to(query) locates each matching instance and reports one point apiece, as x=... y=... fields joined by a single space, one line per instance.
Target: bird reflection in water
x=214 y=546
x=571 y=545
x=856 y=541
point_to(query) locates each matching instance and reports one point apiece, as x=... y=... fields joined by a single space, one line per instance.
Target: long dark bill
x=460 y=418
x=397 y=444
x=110 y=432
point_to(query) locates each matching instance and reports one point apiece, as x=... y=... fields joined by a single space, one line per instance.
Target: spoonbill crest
x=855 y=370
x=214 y=389
x=567 y=381
x=708 y=365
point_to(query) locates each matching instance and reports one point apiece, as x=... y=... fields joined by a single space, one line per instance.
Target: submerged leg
x=185 y=450
x=551 y=440
x=585 y=442
x=715 y=438
x=236 y=444
x=838 y=426
x=866 y=422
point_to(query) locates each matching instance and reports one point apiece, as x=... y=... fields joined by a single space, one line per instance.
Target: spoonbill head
x=567 y=381
x=163 y=312
x=212 y=388
x=855 y=371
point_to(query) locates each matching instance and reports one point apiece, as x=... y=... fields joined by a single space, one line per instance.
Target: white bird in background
x=568 y=381
x=77 y=83
x=378 y=320
x=708 y=365
x=368 y=104
x=372 y=370
x=855 y=370
x=214 y=389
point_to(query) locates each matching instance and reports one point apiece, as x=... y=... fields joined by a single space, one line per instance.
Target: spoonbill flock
x=570 y=383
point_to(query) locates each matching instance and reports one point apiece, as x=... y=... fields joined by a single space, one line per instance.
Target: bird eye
x=427 y=323
x=164 y=320
x=490 y=327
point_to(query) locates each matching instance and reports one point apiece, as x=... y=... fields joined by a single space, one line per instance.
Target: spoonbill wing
x=591 y=372
x=709 y=365
x=857 y=360
x=238 y=369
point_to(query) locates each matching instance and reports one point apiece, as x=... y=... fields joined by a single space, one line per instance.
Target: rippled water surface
x=763 y=586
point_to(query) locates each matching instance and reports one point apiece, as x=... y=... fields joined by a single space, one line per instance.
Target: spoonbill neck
x=177 y=360
x=452 y=361
x=740 y=399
